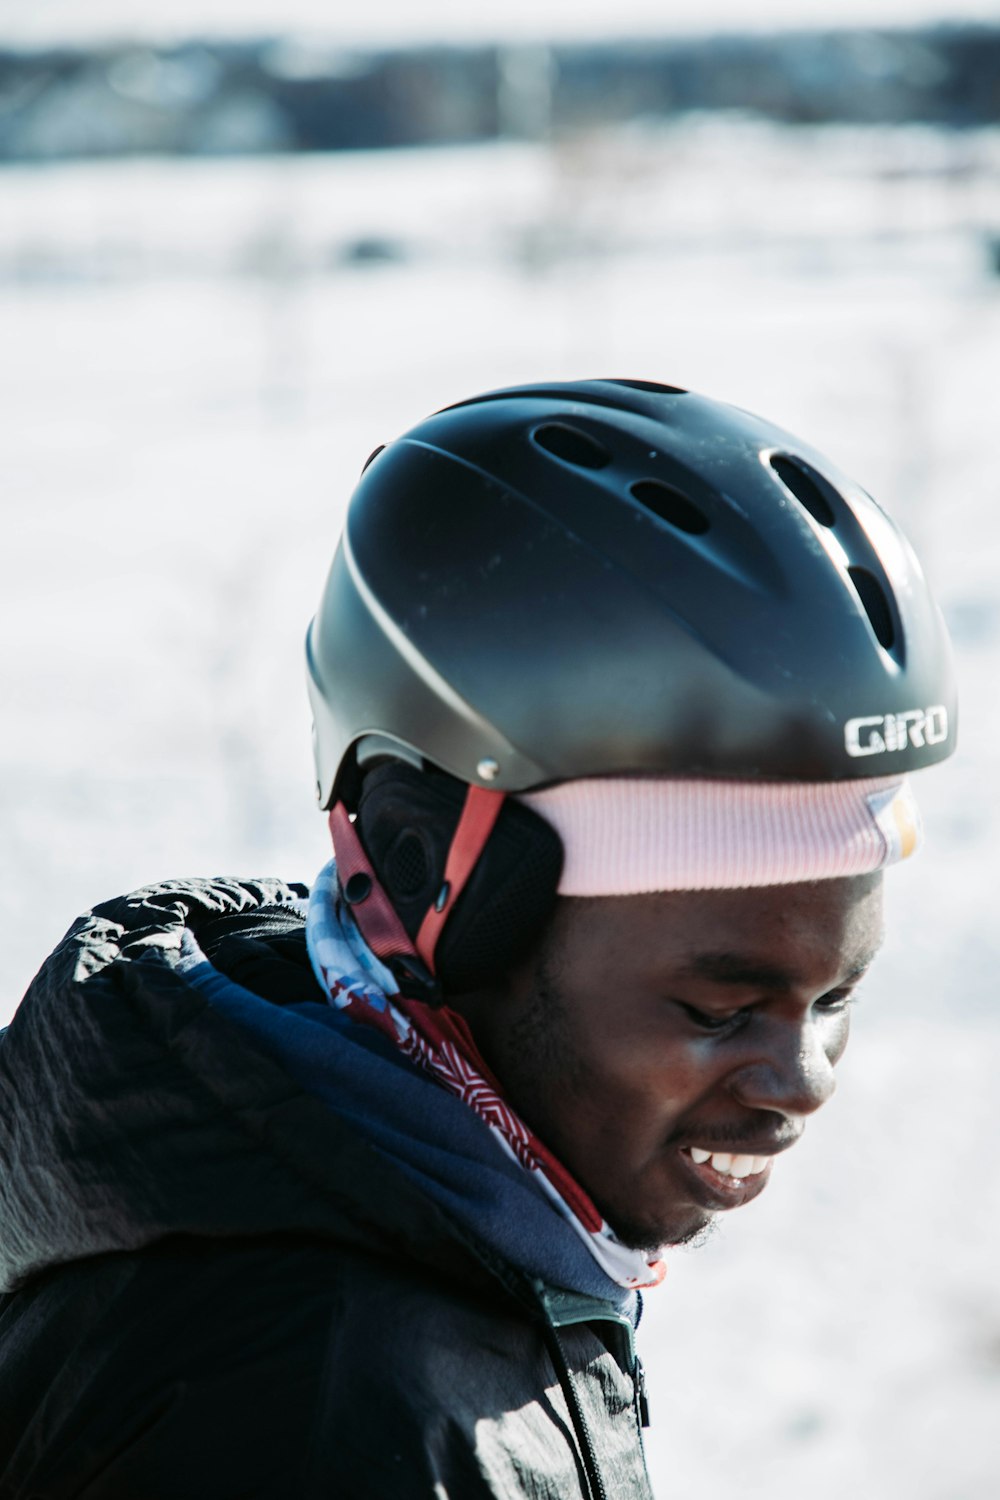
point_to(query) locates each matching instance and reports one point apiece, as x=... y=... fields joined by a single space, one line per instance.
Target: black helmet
x=562 y=581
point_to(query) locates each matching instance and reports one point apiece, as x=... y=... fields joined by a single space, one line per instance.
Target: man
x=354 y=1192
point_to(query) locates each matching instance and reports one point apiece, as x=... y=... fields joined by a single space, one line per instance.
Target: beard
x=637 y=1235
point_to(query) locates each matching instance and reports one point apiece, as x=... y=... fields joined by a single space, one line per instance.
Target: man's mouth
x=728 y=1164
x=725 y=1179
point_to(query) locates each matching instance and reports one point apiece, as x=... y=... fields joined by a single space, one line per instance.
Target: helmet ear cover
x=406 y=821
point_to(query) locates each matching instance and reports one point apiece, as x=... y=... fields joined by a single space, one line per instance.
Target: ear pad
x=406 y=821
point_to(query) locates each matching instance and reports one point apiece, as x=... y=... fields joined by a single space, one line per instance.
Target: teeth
x=728 y=1164
x=743 y=1166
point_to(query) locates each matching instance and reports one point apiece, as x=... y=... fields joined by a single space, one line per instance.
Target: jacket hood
x=134 y=1110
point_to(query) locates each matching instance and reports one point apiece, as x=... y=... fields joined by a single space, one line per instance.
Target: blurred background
x=243 y=244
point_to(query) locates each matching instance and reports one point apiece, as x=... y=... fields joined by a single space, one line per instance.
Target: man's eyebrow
x=740 y=970
x=861 y=967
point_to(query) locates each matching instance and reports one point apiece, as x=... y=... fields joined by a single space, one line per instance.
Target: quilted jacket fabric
x=214 y=1287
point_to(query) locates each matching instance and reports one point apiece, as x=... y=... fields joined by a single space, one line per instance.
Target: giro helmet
x=616 y=577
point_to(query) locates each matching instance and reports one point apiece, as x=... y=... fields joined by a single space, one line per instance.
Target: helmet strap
x=370 y=906
x=374 y=913
x=479 y=814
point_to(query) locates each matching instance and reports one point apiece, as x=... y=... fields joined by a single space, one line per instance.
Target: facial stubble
x=540 y=1062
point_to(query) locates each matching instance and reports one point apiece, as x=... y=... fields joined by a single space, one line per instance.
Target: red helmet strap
x=479 y=814
x=370 y=906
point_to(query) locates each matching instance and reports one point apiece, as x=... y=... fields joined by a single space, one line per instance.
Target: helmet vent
x=653 y=386
x=876 y=605
x=670 y=505
x=804 y=487
x=572 y=445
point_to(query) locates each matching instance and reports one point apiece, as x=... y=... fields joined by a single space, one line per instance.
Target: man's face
x=656 y=1043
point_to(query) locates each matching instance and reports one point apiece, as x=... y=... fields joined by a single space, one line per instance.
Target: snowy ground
x=196 y=358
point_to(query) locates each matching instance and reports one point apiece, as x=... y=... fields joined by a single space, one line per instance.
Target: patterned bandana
x=440 y=1044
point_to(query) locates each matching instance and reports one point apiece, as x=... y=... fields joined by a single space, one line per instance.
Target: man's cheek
x=836 y=1042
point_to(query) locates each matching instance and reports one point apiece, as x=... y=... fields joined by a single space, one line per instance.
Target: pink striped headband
x=626 y=835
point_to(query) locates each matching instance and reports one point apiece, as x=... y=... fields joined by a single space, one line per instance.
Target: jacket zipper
x=561 y=1309
x=641 y=1402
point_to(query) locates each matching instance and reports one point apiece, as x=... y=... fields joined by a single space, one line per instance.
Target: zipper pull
x=641 y=1403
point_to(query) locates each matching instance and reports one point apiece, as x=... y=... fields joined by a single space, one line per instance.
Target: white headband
x=626 y=835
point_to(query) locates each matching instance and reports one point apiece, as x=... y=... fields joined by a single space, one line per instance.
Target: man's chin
x=649 y=1237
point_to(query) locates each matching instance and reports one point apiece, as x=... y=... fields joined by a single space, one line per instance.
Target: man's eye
x=836 y=1001
x=708 y=1022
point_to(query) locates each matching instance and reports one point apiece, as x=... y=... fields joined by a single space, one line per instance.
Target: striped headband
x=626 y=835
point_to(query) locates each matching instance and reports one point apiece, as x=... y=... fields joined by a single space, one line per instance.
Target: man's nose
x=790 y=1074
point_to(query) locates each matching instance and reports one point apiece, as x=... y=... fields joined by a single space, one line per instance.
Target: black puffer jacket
x=214 y=1288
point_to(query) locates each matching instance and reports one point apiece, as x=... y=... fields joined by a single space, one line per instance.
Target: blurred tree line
x=289 y=94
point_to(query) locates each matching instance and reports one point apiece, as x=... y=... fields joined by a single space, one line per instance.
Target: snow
x=197 y=357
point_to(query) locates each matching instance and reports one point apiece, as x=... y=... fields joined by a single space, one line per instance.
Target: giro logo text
x=880 y=734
